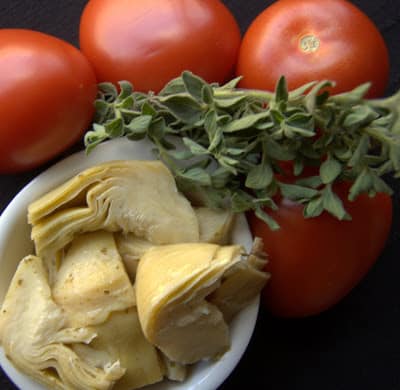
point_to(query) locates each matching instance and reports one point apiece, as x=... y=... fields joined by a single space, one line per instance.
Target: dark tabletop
x=356 y=344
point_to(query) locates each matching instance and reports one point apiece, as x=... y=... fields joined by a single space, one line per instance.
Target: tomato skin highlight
x=47 y=90
x=307 y=40
x=316 y=262
x=151 y=42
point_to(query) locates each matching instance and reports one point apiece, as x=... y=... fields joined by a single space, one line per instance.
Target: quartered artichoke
x=174 y=284
x=129 y=196
x=130 y=284
x=35 y=335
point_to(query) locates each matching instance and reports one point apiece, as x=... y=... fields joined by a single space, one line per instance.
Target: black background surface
x=356 y=344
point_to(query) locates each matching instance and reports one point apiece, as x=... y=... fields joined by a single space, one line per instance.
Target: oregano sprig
x=224 y=143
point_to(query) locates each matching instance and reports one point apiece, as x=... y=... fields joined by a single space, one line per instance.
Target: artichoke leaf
x=129 y=196
x=92 y=282
x=121 y=337
x=172 y=284
x=242 y=283
x=131 y=248
x=33 y=332
x=214 y=225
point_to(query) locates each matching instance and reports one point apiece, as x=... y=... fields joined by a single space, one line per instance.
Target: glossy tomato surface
x=308 y=40
x=150 y=42
x=315 y=262
x=47 y=90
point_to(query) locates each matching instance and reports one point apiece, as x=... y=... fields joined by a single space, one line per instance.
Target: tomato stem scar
x=309 y=43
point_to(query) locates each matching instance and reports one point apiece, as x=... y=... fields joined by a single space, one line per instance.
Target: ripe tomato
x=315 y=262
x=150 y=42
x=46 y=98
x=308 y=40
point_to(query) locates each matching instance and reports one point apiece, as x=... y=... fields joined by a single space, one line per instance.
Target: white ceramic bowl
x=15 y=243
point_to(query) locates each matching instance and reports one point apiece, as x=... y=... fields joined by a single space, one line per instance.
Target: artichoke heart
x=214 y=225
x=131 y=249
x=242 y=283
x=35 y=338
x=121 y=337
x=91 y=281
x=172 y=284
x=140 y=197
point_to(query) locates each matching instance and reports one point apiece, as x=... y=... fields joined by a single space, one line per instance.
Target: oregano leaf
x=259 y=177
x=329 y=170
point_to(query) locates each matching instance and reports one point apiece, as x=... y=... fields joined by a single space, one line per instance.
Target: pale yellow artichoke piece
x=140 y=197
x=172 y=283
x=242 y=283
x=34 y=335
x=131 y=249
x=92 y=282
x=214 y=225
x=174 y=371
x=121 y=337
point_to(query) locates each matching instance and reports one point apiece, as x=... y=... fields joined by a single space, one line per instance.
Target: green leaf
x=114 y=128
x=184 y=108
x=244 y=122
x=277 y=151
x=196 y=175
x=313 y=208
x=231 y=102
x=94 y=137
x=207 y=95
x=241 y=201
x=363 y=183
x=343 y=153
x=380 y=186
x=232 y=83
x=210 y=124
x=298 y=167
x=126 y=89
x=291 y=131
x=108 y=91
x=228 y=163
x=157 y=130
x=195 y=148
x=180 y=154
x=360 y=151
x=220 y=177
x=259 y=177
x=394 y=155
x=329 y=170
x=127 y=103
x=271 y=223
x=148 y=109
x=175 y=86
x=281 y=91
x=311 y=100
x=103 y=110
x=310 y=181
x=297 y=193
x=137 y=128
x=333 y=204
x=359 y=117
x=298 y=92
x=193 y=84
x=302 y=120
x=351 y=97
x=216 y=140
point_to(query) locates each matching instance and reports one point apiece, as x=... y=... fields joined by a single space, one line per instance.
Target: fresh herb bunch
x=229 y=144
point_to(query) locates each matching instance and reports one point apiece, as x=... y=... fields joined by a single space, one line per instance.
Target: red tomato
x=308 y=40
x=149 y=42
x=46 y=98
x=315 y=262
